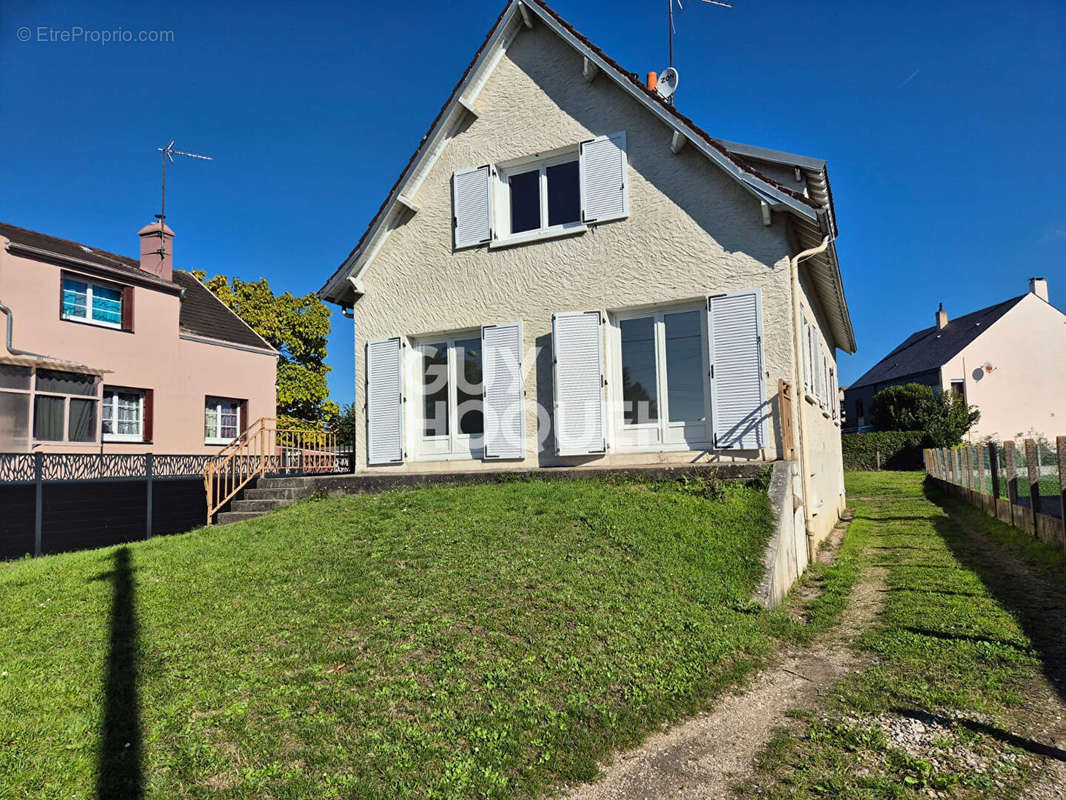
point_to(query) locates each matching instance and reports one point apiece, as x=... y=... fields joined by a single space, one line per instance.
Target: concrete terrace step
x=265 y=493
x=261 y=506
x=227 y=517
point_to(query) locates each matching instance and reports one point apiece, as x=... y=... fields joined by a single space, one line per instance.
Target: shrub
x=914 y=407
x=897 y=449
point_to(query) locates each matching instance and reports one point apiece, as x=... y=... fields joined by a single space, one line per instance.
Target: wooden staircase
x=255 y=473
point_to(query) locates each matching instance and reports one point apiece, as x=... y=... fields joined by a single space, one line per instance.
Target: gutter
x=120 y=274
x=797 y=354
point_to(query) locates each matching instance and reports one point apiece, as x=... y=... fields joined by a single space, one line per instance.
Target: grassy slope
x=485 y=641
x=946 y=644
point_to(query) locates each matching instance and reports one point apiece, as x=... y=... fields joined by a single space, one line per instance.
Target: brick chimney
x=1038 y=286
x=941 y=318
x=157 y=250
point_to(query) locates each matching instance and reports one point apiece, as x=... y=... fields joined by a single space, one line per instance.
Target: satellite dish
x=667 y=83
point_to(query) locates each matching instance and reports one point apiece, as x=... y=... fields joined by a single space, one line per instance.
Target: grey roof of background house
x=930 y=348
x=202 y=314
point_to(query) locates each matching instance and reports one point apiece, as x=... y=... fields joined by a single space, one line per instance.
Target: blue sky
x=944 y=125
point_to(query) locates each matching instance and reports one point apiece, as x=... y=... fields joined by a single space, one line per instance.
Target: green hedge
x=897 y=449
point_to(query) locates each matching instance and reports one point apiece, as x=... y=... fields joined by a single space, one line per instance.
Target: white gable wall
x=692 y=231
x=1025 y=393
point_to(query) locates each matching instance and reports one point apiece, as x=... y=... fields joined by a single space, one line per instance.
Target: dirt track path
x=706 y=755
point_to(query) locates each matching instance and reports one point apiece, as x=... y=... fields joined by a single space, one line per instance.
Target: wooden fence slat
x=993 y=467
x=1032 y=464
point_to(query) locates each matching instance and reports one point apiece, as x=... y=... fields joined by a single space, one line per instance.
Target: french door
x=662 y=396
x=451 y=420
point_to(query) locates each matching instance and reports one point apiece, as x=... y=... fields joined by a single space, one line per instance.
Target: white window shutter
x=384 y=401
x=504 y=390
x=472 y=206
x=738 y=385
x=806 y=357
x=604 y=178
x=577 y=344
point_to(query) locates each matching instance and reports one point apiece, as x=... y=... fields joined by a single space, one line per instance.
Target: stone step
x=227 y=517
x=261 y=492
x=260 y=506
x=284 y=483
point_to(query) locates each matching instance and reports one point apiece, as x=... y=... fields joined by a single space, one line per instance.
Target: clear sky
x=944 y=125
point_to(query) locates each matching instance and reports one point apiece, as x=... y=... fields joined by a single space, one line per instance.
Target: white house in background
x=1008 y=360
x=570 y=272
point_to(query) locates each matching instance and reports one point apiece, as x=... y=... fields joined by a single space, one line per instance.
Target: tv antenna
x=168 y=153
x=673 y=30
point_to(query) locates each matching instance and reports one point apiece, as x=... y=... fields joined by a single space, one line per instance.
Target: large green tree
x=297 y=327
x=945 y=418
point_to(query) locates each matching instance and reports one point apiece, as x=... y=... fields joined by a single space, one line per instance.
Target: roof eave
x=510 y=21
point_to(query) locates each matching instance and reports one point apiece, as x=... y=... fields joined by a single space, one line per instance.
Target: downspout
x=10 y=348
x=797 y=346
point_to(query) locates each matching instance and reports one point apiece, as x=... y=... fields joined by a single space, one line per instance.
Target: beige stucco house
x=571 y=272
x=107 y=354
x=1008 y=360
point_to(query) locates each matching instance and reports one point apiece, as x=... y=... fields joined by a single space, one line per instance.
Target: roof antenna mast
x=672 y=30
x=168 y=153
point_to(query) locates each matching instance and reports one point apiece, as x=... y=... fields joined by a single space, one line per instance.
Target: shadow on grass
x=1006 y=737
x=118 y=769
x=1032 y=600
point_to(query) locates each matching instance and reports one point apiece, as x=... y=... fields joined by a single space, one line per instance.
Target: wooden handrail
x=265 y=448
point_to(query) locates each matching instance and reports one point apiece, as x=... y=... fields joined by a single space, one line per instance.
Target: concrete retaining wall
x=785 y=558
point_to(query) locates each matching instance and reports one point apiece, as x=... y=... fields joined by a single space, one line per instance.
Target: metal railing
x=265 y=449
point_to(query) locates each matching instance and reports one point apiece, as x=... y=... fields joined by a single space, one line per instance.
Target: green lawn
x=957 y=657
x=454 y=642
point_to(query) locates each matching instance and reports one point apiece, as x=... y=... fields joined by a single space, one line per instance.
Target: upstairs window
x=553 y=194
x=542 y=196
x=96 y=303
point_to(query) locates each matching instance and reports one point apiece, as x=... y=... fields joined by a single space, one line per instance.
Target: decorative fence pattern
x=1022 y=484
x=90 y=499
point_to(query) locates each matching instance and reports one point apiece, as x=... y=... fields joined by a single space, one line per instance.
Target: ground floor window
x=452 y=420
x=123 y=415
x=222 y=420
x=661 y=370
x=64 y=407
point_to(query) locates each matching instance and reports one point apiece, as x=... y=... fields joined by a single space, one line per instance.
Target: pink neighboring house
x=104 y=353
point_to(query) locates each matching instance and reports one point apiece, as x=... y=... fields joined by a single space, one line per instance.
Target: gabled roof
x=810 y=204
x=930 y=348
x=201 y=314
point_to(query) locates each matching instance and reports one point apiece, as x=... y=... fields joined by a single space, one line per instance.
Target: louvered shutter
x=806 y=357
x=604 y=178
x=738 y=387
x=472 y=206
x=819 y=377
x=384 y=401
x=577 y=342
x=504 y=411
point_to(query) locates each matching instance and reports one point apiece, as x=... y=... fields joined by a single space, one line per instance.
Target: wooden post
x=1060 y=443
x=968 y=456
x=1032 y=463
x=993 y=467
x=1012 y=475
x=38 y=511
x=981 y=470
x=148 y=498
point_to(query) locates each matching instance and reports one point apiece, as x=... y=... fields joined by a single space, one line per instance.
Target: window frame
x=115 y=391
x=90 y=284
x=219 y=401
x=664 y=433
x=501 y=197
x=454 y=444
x=94 y=398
